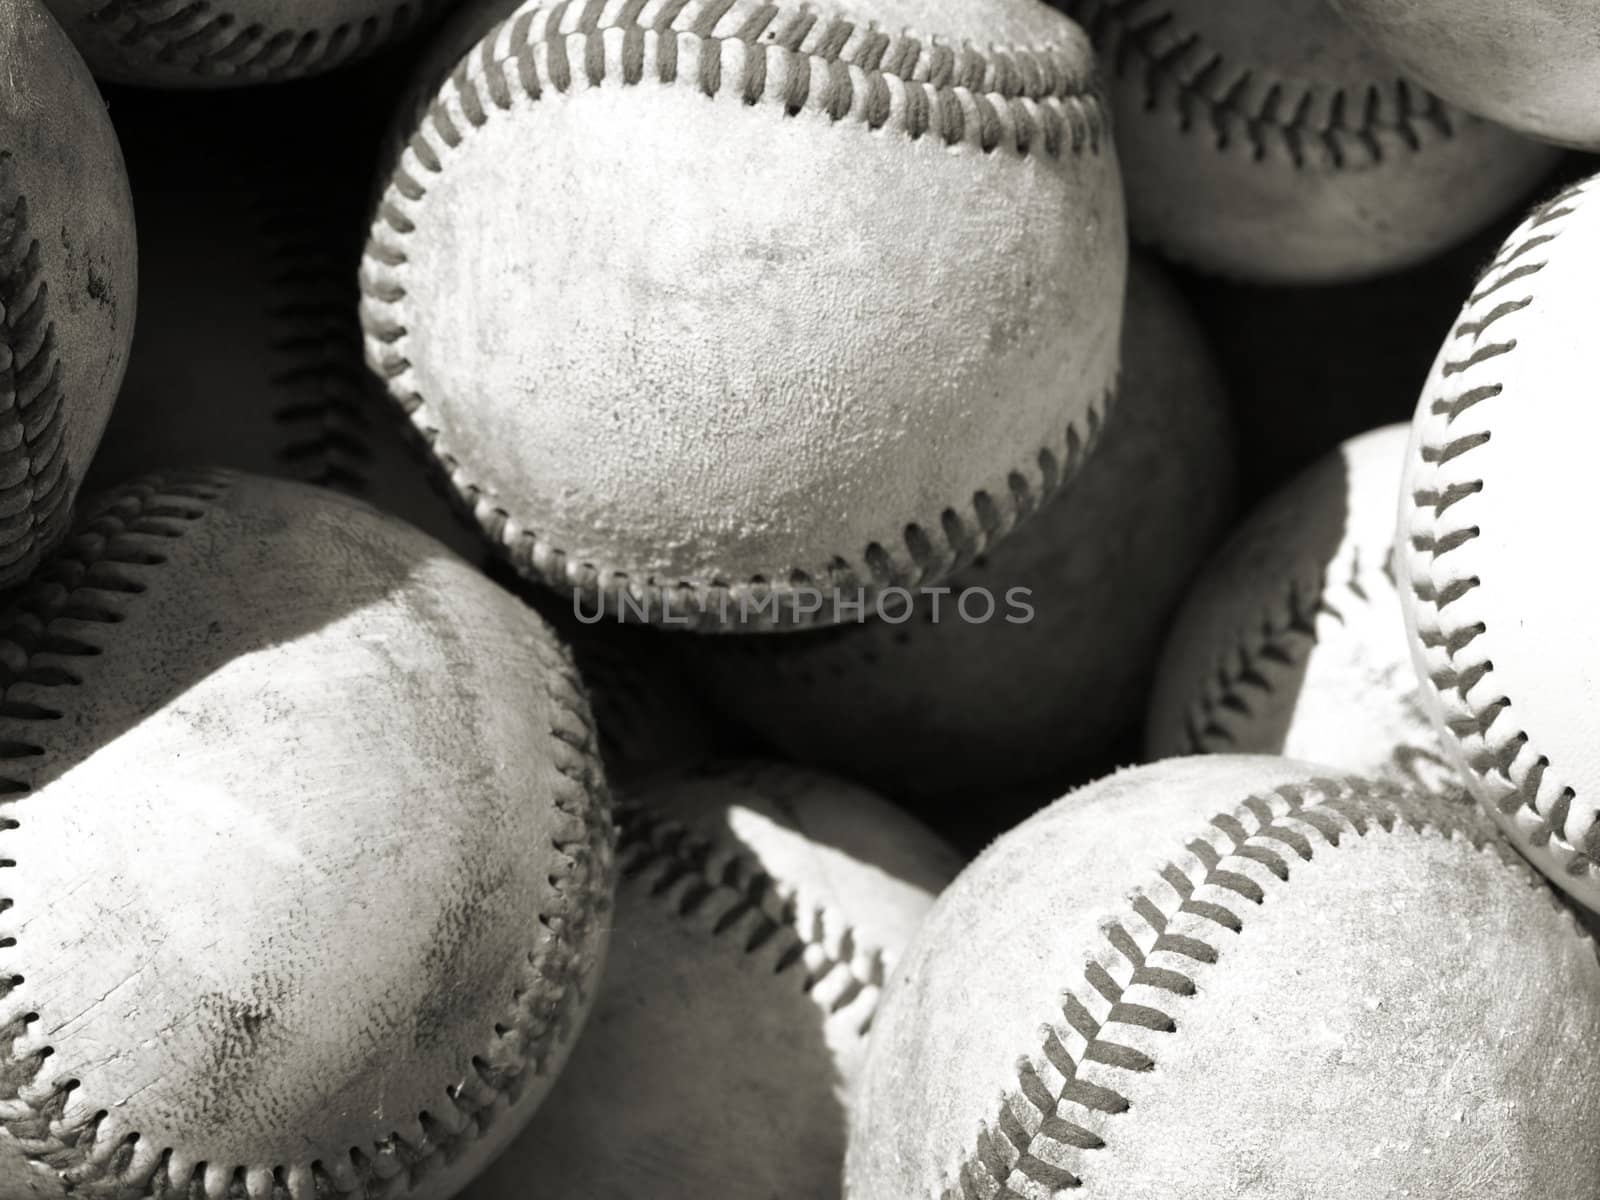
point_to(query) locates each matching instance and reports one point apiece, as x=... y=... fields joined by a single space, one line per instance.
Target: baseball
x=1529 y=65
x=1038 y=656
x=1226 y=976
x=759 y=912
x=67 y=281
x=273 y=926
x=248 y=351
x=1497 y=483
x=1292 y=643
x=1263 y=139
x=707 y=306
x=223 y=43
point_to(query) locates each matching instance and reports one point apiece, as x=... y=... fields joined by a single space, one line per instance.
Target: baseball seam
x=1278 y=640
x=1022 y=100
x=317 y=340
x=1532 y=792
x=728 y=894
x=42 y=640
x=1305 y=122
x=202 y=38
x=1061 y=1107
x=34 y=508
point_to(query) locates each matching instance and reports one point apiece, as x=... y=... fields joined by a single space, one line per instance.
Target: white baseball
x=68 y=281
x=1492 y=543
x=1228 y=977
x=1292 y=641
x=1264 y=139
x=307 y=855
x=760 y=910
x=709 y=303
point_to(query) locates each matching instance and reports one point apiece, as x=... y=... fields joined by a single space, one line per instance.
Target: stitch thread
x=202 y=38
x=1308 y=123
x=34 y=508
x=1531 y=793
x=1281 y=637
x=1018 y=100
x=1048 y=1127
x=87 y=582
x=734 y=898
x=311 y=305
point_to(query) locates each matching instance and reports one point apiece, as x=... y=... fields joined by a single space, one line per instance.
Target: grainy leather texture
x=226 y=43
x=1221 y=977
x=937 y=705
x=68 y=281
x=1496 y=571
x=759 y=912
x=1530 y=65
x=308 y=855
x=1263 y=139
x=709 y=300
x=248 y=351
x=1292 y=642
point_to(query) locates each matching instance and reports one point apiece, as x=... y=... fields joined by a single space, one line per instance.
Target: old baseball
x=1292 y=641
x=1226 y=977
x=759 y=912
x=308 y=861
x=248 y=350
x=67 y=281
x=981 y=687
x=704 y=304
x=1265 y=140
x=224 y=43
x=1496 y=574
x=1531 y=65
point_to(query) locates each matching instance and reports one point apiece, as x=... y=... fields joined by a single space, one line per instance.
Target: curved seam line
x=31 y=374
x=1428 y=505
x=1129 y=34
x=194 y=35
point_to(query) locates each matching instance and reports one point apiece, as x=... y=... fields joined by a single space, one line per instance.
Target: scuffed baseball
x=934 y=700
x=308 y=856
x=1228 y=977
x=248 y=352
x=1292 y=641
x=68 y=280
x=710 y=304
x=1265 y=140
x=227 y=43
x=1531 y=65
x=759 y=912
x=1496 y=573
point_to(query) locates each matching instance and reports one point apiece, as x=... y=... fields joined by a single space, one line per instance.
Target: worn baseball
x=1039 y=655
x=226 y=43
x=706 y=306
x=759 y=912
x=1225 y=976
x=1264 y=139
x=1497 y=485
x=248 y=351
x=68 y=270
x=308 y=859
x=1529 y=65
x=1292 y=641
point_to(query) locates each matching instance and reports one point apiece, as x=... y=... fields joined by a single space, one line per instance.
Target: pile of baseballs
x=643 y=600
